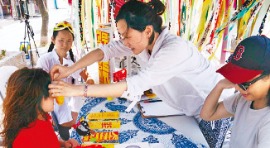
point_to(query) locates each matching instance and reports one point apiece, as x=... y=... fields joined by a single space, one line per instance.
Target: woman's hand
x=71 y=143
x=58 y=72
x=60 y=88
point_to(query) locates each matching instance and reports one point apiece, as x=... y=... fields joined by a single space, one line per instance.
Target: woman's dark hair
x=55 y=33
x=138 y=15
x=25 y=90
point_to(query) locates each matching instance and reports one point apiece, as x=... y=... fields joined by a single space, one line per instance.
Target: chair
x=5 y=72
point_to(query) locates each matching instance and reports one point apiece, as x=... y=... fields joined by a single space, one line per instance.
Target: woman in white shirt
x=175 y=70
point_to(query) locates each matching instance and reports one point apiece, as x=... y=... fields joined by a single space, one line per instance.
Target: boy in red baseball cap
x=247 y=70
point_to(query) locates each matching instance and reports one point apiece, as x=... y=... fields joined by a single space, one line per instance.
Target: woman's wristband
x=85 y=90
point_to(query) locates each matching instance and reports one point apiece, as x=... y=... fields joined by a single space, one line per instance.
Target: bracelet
x=85 y=90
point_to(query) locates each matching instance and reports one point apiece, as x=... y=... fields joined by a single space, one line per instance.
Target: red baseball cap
x=250 y=58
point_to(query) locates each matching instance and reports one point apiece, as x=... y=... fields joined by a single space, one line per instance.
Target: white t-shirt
x=251 y=128
x=176 y=71
x=46 y=62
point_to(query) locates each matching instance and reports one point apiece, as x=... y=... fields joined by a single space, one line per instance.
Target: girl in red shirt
x=26 y=106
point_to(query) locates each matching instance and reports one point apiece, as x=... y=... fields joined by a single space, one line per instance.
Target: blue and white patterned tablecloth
x=135 y=128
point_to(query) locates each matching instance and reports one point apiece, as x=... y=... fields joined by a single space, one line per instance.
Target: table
x=176 y=131
x=14 y=59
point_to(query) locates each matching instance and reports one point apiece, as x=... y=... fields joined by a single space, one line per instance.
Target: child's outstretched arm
x=212 y=109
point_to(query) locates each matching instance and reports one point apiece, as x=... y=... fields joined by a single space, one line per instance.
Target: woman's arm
x=60 y=88
x=212 y=109
x=92 y=57
x=105 y=52
x=58 y=72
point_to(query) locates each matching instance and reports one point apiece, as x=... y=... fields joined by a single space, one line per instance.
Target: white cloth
x=76 y=103
x=5 y=73
x=251 y=128
x=176 y=71
x=46 y=62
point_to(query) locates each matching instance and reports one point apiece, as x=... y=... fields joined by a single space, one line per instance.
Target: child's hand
x=225 y=84
x=90 y=81
x=86 y=77
x=84 y=74
x=71 y=143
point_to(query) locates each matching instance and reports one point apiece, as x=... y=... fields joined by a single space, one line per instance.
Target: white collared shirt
x=48 y=60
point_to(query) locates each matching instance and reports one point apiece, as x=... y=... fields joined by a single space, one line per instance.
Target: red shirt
x=39 y=134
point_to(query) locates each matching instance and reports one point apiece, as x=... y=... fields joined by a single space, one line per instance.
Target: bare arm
x=92 y=57
x=58 y=72
x=60 y=88
x=212 y=109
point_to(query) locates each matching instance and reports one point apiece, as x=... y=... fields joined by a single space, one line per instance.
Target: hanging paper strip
x=222 y=36
x=254 y=13
x=236 y=16
x=205 y=32
x=187 y=25
x=110 y=9
x=179 y=17
x=190 y=28
x=261 y=29
x=205 y=18
x=82 y=24
x=218 y=16
x=94 y=21
x=167 y=14
x=196 y=15
x=98 y=12
x=89 y=25
x=187 y=18
x=183 y=18
x=227 y=7
x=80 y=3
x=172 y=13
x=208 y=31
x=242 y=22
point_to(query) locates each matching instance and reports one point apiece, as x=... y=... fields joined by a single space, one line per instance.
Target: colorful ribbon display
x=202 y=22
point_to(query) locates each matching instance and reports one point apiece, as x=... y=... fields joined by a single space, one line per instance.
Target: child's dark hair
x=139 y=14
x=25 y=90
